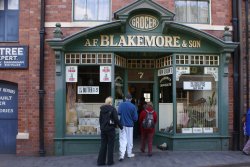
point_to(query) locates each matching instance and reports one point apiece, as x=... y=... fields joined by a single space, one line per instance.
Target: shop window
x=120 y=61
x=165 y=104
x=192 y=11
x=91 y=10
x=196 y=100
x=9 y=19
x=83 y=101
x=197 y=59
x=88 y=58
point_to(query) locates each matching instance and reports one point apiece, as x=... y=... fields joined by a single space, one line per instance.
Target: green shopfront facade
x=182 y=70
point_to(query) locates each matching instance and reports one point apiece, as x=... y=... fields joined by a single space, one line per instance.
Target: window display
x=165 y=104
x=197 y=109
x=83 y=101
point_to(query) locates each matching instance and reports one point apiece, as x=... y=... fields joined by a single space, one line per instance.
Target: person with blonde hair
x=108 y=122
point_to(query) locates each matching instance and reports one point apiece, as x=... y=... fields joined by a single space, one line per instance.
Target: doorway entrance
x=141 y=93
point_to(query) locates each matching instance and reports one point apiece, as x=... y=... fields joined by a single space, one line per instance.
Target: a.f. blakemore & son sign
x=142 y=23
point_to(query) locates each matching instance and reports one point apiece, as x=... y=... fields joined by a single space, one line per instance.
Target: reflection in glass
x=165 y=104
x=83 y=102
x=2 y=5
x=197 y=109
x=92 y=10
x=13 y=4
x=190 y=11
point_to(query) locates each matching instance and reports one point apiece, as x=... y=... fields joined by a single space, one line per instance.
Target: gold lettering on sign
x=194 y=44
x=131 y=40
x=150 y=41
x=144 y=22
x=95 y=42
x=122 y=41
x=104 y=40
x=142 y=41
x=176 y=41
x=87 y=43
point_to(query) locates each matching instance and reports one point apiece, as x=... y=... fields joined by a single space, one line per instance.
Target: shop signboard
x=8 y=117
x=14 y=57
x=8 y=101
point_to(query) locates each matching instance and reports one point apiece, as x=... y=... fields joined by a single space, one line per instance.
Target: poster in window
x=105 y=73
x=71 y=73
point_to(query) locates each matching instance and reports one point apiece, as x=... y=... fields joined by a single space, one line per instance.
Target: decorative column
x=224 y=92
x=59 y=94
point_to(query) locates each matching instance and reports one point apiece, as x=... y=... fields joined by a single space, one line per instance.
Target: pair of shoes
x=109 y=164
x=245 y=153
x=150 y=154
x=131 y=155
x=121 y=158
x=142 y=150
x=101 y=164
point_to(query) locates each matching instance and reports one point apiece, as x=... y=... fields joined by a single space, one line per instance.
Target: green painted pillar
x=59 y=102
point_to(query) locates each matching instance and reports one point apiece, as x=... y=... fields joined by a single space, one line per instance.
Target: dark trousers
x=147 y=137
x=107 y=144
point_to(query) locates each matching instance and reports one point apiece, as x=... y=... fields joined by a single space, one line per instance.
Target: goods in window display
x=71 y=114
x=198 y=117
x=71 y=128
x=88 y=121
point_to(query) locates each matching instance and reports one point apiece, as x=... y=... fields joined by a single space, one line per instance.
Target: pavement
x=159 y=159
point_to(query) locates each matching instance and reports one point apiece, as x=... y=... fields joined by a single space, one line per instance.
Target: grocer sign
x=13 y=57
x=143 y=22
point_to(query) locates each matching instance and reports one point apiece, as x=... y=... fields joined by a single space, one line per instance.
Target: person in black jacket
x=108 y=122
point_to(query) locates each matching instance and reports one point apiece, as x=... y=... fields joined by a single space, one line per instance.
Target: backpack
x=148 y=121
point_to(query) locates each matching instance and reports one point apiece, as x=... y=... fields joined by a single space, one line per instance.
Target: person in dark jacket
x=108 y=122
x=147 y=134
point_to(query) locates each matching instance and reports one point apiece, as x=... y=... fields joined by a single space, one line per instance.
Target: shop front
x=182 y=70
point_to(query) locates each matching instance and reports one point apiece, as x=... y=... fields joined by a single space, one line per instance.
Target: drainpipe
x=41 y=82
x=247 y=51
x=236 y=76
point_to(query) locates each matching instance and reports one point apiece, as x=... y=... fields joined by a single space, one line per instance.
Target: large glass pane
x=1 y=4
x=119 y=86
x=2 y=26
x=83 y=101
x=79 y=9
x=103 y=10
x=197 y=109
x=180 y=11
x=203 y=12
x=91 y=10
x=13 y=4
x=192 y=11
x=12 y=25
x=165 y=104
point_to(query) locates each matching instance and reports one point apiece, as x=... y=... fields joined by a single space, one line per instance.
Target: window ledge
x=74 y=24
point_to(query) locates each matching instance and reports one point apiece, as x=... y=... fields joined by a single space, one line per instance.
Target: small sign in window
x=197 y=85
x=71 y=73
x=88 y=90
